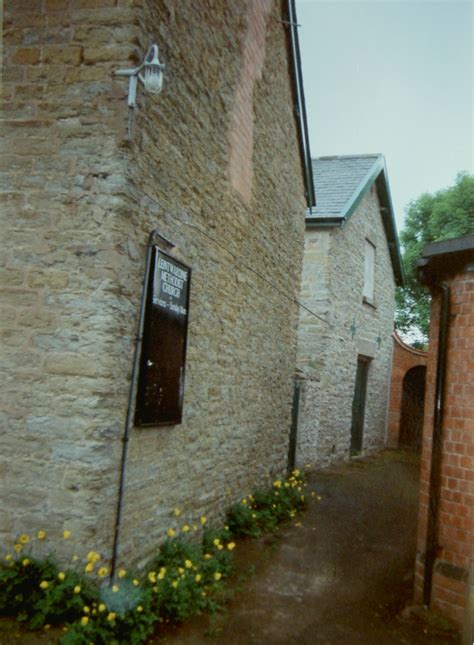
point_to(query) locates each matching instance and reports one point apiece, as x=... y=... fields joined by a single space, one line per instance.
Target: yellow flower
x=277 y=483
x=24 y=539
x=122 y=573
x=180 y=571
x=46 y=627
x=162 y=573
x=92 y=556
x=170 y=532
x=84 y=620
x=152 y=576
x=185 y=528
x=8 y=557
x=231 y=546
x=44 y=584
x=174 y=583
x=244 y=501
x=102 y=572
x=61 y=575
x=111 y=616
x=41 y=535
x=77 y=589
x=66 y=534
x=203 y=519
x=139 y=608
x=216 y=542
x=207 y=556
x=296 y=473
x=89 y=567
x=155 y=588
x=188 y=564
x=86 y=609
x=197 y=578
x=115 y=588
x=136 y=582
x=17 y=548
x=220 y=547
x=195 y=527
x=101 y=607
x=25 y=562
x=75 y=558
x=217 y=576
x=177 y=512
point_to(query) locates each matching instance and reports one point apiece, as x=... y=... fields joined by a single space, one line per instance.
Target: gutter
x=300 y=105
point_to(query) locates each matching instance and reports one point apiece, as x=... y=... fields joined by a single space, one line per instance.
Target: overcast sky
x=396 y=78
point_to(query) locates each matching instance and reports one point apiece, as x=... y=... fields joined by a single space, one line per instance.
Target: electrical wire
x=233 y=255
x=255 y=272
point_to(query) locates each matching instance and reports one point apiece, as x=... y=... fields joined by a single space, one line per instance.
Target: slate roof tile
x=336 y=179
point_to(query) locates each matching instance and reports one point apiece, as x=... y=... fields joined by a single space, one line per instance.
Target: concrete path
x=342 y=576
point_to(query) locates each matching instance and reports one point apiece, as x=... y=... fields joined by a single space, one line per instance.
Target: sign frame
x=166 y=316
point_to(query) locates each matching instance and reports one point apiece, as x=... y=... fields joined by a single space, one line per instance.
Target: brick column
x=455 y=532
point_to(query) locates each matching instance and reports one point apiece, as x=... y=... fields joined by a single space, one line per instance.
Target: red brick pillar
x=451 y=589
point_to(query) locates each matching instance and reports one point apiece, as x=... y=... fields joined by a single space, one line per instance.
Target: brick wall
x=454 y=560
x=332 y=285
x=81 y=202
x=404 y=359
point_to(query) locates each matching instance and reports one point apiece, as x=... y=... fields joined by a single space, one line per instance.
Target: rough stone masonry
x=80 y=198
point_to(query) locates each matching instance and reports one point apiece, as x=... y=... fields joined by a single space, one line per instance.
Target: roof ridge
x=352 y=156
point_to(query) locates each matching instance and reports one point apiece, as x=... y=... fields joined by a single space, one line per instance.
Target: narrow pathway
x=342 y=573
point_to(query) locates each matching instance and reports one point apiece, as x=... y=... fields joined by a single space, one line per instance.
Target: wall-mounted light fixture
x=150 y=73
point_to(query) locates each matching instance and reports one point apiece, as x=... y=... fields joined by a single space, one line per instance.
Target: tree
x=445 y=214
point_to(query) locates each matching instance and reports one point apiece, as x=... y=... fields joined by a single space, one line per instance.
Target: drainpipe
x=131 y=395
x=300 y=106
x=436 y=446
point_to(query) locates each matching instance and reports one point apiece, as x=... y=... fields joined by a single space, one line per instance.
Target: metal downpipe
x=128 y=419
x=436 y=446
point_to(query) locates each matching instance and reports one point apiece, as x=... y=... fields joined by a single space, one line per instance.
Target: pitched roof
x=341 y=182
x=338 y=180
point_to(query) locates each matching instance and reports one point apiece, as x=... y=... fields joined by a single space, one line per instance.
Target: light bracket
x=150 y=74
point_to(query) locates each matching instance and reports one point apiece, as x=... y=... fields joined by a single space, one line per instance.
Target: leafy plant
x=262 y=511
x=183 y=579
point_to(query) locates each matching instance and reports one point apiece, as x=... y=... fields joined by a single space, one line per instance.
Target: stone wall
x=333 y=274
x=83 y=198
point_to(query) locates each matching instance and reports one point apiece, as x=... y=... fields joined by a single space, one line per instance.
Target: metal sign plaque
x=160 y=387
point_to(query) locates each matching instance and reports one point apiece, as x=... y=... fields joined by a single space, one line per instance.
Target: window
x=369 y=273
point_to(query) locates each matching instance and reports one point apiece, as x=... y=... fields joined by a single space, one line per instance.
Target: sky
x=394 y=77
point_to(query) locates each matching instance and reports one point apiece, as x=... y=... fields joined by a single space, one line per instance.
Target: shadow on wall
x=413 y=399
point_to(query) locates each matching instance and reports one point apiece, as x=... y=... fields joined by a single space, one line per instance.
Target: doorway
x=358 y=405
x=413 y=399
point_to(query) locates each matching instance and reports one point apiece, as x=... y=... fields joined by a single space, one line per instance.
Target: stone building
x=350 y=269
x=407 y=395
x=215 y=164
x=445 y=548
